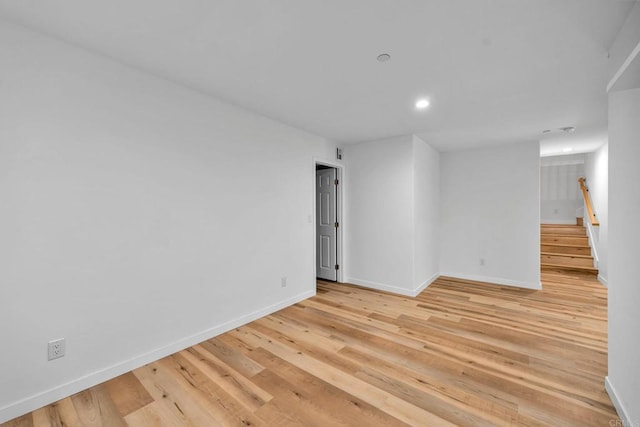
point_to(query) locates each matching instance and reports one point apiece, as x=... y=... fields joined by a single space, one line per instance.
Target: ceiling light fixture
x=383 y=57
x=567 y=150
x=421 y=104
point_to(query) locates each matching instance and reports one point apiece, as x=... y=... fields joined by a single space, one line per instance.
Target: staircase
x=565 y=248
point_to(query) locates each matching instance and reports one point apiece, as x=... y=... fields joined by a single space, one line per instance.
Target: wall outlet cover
x=56 y=349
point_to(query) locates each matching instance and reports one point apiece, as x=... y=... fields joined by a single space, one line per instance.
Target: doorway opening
x=328 y=224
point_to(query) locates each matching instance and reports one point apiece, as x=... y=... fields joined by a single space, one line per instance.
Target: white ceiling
x=495 y=71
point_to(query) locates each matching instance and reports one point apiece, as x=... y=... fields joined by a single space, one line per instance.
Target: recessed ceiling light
x=567 y=150
x=383 y=57
x=421 y=104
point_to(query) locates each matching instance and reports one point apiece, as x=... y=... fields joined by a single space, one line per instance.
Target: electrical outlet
x=482 y=261
x=283 y=282
x=56 y=349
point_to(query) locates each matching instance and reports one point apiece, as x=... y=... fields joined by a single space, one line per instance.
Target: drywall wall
x=426 y=196
x=392 y=214
x=597 y=175
x=379 y=214
x=625 y=48
x=491 y=215
x=560 y=194
x=138 y=217
x=623 y=380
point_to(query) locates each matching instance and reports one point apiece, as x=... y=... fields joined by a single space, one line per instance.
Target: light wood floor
x=461 y=353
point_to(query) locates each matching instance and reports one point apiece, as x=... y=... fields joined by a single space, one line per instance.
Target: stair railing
x=587 y=202
x=592 y=233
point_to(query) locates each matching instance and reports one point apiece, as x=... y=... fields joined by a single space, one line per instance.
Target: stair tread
x=565 y=245
x=566 y=255
x=562 y=235
x=563 y=227
x=572 y=267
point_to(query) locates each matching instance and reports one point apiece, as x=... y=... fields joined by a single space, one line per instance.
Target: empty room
x=300 y=213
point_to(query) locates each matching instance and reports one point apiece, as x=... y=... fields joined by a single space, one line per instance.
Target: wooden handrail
x=587 y=202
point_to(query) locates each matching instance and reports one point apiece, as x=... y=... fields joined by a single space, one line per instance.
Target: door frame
x=339 y=217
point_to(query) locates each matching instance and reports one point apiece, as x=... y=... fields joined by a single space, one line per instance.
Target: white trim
x=617 y=403
x=603 y=280
x=414 y=292
x=426 y=284
x=495 y=280
x=340 y=213
x=391 y=288
x=623 y=67
x=54 y=394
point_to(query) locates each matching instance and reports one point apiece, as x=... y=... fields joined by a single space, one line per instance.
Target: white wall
x=560 y=194
x=623 y=380
x=491 y=212
x=597 y=174
x=426 y=196
x=627 y=41
x=392 y=199
x=131 y=211
x=379 y=214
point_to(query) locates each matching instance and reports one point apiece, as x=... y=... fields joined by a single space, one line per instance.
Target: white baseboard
x=391 y=288
x=620 y=409
x=414 y=292
x=603 y=280
x=495 y=280
x=426 y=284
x=47 y=397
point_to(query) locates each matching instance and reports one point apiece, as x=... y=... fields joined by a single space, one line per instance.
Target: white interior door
x=326 y=224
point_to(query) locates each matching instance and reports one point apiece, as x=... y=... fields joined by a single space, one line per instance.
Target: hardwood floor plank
x=460 y=353
x=392 y=405
x=95 y=408
x=23 y=421
x=302 y=405
x=328 y=398
x=438 y=405
x=64 y=413
x=210 y=397
x=41 y=417
x=155 y=414
x=232 y=357
x=178 y=399
x=299 y=335
x=243 y=390
x=127 y=393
